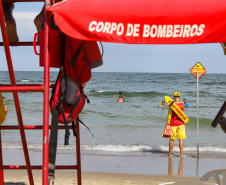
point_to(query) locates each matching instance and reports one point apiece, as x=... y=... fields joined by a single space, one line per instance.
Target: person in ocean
x=120 y=97
x=185 y=103
x=176 y=125
x=162 y=104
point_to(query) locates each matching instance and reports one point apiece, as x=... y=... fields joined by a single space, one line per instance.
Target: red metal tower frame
x=32 y=87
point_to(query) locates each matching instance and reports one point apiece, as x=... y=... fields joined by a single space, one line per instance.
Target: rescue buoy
x=120 y=100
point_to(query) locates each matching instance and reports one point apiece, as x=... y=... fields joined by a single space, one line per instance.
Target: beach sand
x=123 y=170
x=93 y=178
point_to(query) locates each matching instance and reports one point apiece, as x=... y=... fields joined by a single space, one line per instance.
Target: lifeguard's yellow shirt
x=173 y=119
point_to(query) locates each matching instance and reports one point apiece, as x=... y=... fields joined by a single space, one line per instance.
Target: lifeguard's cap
x=176 y=94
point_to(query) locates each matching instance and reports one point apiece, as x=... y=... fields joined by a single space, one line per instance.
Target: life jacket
x=67 y=99
x=53 y=46
x=91 y=51
x=67 y=94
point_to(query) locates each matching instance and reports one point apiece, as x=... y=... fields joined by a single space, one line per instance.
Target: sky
x=118 y=57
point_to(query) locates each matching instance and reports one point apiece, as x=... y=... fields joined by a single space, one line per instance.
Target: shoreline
x=92 y=178
x=147 y=165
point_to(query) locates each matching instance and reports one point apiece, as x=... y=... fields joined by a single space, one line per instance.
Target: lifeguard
x=176 y=122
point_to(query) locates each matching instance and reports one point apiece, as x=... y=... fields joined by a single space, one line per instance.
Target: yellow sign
x=198 y=70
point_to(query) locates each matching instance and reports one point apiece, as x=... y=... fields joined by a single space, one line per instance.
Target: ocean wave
x=18 y=146
x=215 y=83
x=119 y=148
x=24 y=80
x=125 y=148
x=147 y=148
x=202 y=120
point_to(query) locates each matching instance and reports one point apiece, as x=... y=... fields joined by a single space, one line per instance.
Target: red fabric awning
x=143 y=22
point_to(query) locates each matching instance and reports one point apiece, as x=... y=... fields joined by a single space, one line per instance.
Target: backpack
x=67 y=99
x=67 y=94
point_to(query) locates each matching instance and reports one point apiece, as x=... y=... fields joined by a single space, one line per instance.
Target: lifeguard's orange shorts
x=178 y=131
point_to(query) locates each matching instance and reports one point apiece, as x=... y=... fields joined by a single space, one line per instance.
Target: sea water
x=133 y=127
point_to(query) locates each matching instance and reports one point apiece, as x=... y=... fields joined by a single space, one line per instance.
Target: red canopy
x=143 y=21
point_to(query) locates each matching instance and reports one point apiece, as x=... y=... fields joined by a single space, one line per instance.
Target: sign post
x=198 y=71
x=197 y=115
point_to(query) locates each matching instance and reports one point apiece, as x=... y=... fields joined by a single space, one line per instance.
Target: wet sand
x=93 y=178
x=122 y=169
x=133 y=163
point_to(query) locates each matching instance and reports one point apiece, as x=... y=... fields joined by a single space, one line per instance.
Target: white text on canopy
x=153 y=31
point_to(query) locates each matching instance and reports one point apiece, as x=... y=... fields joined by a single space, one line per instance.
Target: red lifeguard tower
x=146 y=22
x=14 y=88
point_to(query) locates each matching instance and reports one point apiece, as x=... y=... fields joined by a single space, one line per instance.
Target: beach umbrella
x=143 y=22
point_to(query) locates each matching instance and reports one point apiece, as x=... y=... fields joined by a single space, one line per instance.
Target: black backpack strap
x=73 y=127
x=62 y=87
x=85 y=126
x=62 y=58
x=87 y=99
x=74 y=106
x=67 y=132
x=53 y=144
x=75 y=56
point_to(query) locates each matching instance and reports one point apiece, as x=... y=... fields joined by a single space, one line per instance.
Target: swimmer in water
x=120 y=97
x=162 y=105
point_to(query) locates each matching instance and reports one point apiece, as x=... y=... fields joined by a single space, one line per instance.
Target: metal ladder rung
x=29 y=127
x=20 y=167
x=8 y=1
x=19 y=43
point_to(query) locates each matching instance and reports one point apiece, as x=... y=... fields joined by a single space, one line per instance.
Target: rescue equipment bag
x=67 y=99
